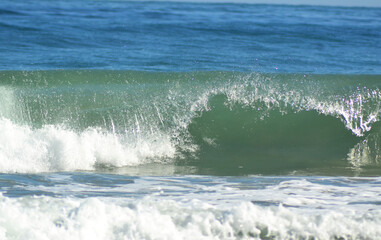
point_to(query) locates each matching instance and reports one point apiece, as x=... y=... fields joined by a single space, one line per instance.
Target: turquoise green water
x=223 y=123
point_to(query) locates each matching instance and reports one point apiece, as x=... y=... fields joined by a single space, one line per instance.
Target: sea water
x=174 y=120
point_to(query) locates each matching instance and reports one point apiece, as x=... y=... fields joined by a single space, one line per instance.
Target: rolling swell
x=211 y=122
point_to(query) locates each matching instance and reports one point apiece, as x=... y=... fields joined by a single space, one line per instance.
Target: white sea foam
x=190 y=207
x=54 y=148
x=97 y=218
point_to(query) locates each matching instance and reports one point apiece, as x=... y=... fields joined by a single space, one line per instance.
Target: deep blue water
x=160 y=36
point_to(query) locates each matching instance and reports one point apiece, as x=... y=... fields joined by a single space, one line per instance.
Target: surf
x=230 y=123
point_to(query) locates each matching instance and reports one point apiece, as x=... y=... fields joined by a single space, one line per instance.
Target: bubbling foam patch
x=97 y=218
x=54 y=148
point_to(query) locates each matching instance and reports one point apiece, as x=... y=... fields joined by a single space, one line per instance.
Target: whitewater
x=169 y=120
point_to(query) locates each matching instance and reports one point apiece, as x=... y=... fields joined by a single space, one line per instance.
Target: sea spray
x=54 y=148
x=67 y=119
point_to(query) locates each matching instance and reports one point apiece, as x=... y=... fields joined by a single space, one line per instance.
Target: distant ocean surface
x=174 y=120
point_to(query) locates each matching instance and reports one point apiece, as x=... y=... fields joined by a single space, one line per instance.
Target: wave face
x=205 y=122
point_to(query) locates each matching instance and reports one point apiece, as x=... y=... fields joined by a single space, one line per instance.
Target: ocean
x=180 y=120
